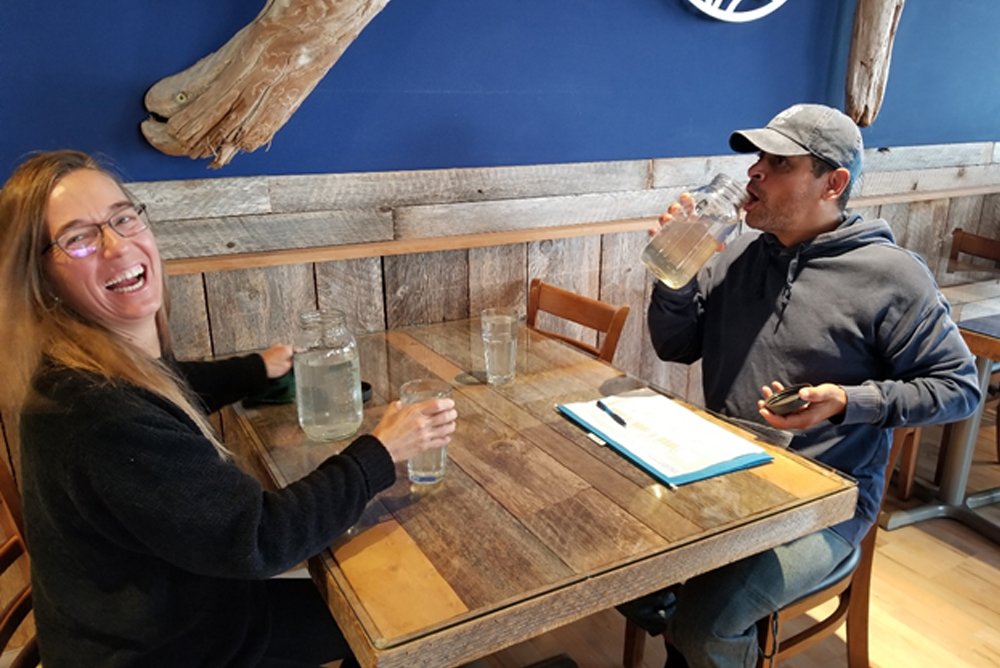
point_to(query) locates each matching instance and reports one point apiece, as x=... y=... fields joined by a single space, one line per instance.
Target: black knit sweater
x=148 y=549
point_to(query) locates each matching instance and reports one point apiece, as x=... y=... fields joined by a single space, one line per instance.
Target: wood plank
x=524 y=479
x=929 y=156
x=423 y=288
x=400 y=603
x=602 y=535
x=234 y=235
x=539 y=212
x=203 y=198
x=249 y=309
x=898 y=217
x=571 y=264
x=354 y=287
x=989 y=224
x=313 y=192
x=403 y=247
x=690 y=173
x=625 y=280
x=936 y=180
x=483 y=575
x=498 y=277
x=926 y=230
x=189 y=329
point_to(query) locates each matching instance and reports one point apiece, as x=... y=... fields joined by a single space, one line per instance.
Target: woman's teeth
x=127 y=281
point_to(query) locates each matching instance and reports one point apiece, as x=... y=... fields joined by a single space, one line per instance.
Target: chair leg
x=909 y=441
x=766 y=641
x=635 y=645
x=857 y=631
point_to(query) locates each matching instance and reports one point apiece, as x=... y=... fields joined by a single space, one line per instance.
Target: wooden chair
x=850 y=583
x=966 y=243
x=14 y=554
x=962 y=243
x=585 y=311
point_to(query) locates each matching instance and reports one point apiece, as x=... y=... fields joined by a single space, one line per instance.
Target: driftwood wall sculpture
x=236 y=98
x=875 y=23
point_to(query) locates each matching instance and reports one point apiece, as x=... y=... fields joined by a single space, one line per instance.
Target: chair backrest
x=595 y=314
x=14 y=557
x=975 y=245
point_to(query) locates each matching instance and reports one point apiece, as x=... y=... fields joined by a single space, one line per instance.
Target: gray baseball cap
x=805 y=129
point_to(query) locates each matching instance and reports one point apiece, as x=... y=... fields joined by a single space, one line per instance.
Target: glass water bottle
x=681 y=247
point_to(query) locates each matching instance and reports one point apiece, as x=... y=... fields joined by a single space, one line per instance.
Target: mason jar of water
x=327 y=376
x=682 y=246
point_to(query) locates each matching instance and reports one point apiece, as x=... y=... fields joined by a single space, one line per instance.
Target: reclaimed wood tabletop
x=535 y=525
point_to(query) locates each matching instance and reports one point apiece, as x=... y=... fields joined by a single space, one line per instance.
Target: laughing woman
x=149 y=547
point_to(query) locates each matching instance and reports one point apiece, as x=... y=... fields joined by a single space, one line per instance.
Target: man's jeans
x=712 y=618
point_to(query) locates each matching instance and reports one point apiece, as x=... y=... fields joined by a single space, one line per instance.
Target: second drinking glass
x=500 y=344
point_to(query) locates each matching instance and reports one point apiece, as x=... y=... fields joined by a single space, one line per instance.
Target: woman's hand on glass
x=406 y=431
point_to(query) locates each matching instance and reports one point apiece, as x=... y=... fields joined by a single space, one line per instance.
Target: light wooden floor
x=935 y=597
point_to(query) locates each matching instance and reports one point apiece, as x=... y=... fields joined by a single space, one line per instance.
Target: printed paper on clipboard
x=673 y=443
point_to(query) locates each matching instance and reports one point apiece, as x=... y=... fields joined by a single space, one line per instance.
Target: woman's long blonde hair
x=34 y=323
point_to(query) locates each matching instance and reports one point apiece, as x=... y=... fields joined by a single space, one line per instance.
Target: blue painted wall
x=464 y=83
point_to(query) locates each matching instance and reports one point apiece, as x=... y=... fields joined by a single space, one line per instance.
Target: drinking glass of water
x=429 y=466
x=500 y=344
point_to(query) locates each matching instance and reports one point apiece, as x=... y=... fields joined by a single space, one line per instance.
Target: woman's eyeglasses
x=82 y=240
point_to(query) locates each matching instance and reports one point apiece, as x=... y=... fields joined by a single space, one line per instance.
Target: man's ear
x=836 y=181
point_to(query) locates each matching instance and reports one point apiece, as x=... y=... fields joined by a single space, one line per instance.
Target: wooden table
x=535 y=525
x=976 y=309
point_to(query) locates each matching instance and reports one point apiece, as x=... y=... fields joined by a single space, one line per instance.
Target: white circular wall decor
x=728 y=10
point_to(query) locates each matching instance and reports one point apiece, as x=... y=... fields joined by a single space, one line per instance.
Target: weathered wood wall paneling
x=898 y=217
x=498 y=276
x=354 y=287
x=539 y=212
x=189 y=329
x=426 y=287
x=932 y=156
x=254 y=234
x=685 y=172
x=925 y=230
x=249 y=309
x=410 y=188
x=625 y=281
x=203 y=198
x=884 y=184
x=572 y=264
x=966 y=213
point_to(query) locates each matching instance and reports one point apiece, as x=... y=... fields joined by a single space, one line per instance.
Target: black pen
x=614 y=416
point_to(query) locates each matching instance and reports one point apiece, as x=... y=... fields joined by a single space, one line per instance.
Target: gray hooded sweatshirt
x=848 y=307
